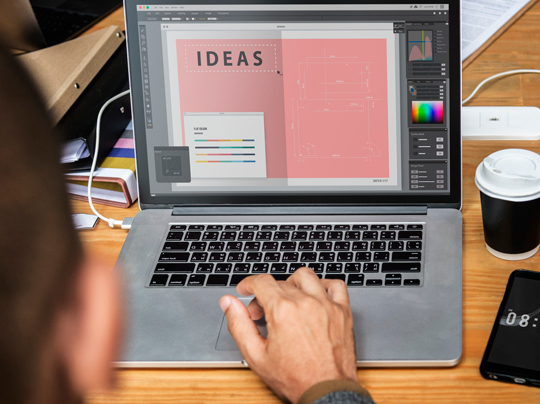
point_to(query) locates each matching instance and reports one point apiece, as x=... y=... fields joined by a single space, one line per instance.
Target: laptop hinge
x=296 y=210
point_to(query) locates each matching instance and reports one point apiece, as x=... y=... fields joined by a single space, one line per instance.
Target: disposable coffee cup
x=509 y=184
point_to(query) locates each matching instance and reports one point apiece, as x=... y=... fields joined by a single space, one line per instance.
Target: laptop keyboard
x=362 y=255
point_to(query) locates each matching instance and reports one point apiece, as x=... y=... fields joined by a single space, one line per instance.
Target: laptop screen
x=294 y=99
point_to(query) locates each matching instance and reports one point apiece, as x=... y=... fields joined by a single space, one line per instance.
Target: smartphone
x=513 y=351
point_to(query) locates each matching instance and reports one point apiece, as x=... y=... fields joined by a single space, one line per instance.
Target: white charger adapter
x=500 y=123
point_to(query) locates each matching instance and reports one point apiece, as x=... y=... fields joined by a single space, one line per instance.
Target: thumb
x=242 y=328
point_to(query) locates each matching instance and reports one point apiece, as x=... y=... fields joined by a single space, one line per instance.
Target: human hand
x=310 y=331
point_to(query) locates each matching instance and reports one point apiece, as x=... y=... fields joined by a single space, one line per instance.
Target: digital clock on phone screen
x=513 y=351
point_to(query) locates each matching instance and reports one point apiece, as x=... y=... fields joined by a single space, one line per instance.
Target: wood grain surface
x=484 y=276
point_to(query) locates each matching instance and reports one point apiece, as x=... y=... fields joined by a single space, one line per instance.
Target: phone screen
x=515 y=341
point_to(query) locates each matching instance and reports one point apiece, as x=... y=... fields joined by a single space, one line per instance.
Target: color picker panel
x=427 y=112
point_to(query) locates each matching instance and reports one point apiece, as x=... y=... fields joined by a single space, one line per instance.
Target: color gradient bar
x=427 y=112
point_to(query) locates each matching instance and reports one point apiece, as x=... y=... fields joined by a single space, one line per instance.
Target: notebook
x=274 y=136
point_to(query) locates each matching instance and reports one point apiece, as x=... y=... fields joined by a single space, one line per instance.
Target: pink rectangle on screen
x=336 y=108
x=124 y=144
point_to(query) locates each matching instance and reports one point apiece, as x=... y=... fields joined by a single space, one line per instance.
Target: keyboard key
x=176 y=267
x=306 y=227
x=216 y=246
x=210 y=236
x=233 y=227
x=378 y=246
x=260 y=268
x=360 y=227
x=170 y=256
x=388 y=235
x=217 y=280
x=335 y=276
x=287 y=227
x=334 y=267
x=374 y=282
x=306 y=246
x=363 y=256
x=242 y=268
x=317 y=235
x=175 y=235
x=193 y=236
x=281 y=277
x=396 y=227
x=407 y=256
x=178 y=227
x=335 y=236
x=159 y=280
x=235 y=257
x=324 y=246
x=415 y=227
x=254 y=257
x=392 y=282
x=269 y=227
x=381 y=256
x=223 y=268
x=352 y=235
x=215 y=227
x=176 y=246
x=264 y=235
x=410 y=235
x=228 y=236
x=414 y=245
x=352 y=267
x=294 y=266
x=299 y=235
x=217 y=257
x=308 y=256
x=290 y=256
x=411 y=282
x=360 y=246
x=316 y=266
x=342 y=246
x=236 y=279
x=327 y=256
x=395 y=245
x=371 y=267
x=234 y=246
x=278 y=268
x=196 y=280
x=270 y=246
x=378 y=227
x=370 y=235
x=401 y=267
x=197 y=246
x=272 y=257
x=252 y=246
x=246 y=235
x=345 y=256
x=205 y=268
x=199 y=257
x=177 y=280
x=324 y=227
x=288 y=246
x=251 y=227
x=342 y=227
x=196 y=227
x=355 y=280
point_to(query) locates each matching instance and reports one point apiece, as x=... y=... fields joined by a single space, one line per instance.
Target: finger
x=264 y=287
x=241 y=326
x=337 y=291
x=307 y=281
x=255 y=310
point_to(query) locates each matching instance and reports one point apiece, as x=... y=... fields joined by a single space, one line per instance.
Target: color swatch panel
x=427 y=112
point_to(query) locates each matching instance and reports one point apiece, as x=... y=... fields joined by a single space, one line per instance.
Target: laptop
x=272 y=136
x=34 y=24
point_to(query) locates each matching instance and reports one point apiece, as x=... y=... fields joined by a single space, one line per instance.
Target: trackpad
x=225 y=341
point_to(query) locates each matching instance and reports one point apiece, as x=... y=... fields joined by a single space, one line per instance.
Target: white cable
x=508 y=73
x=112 y=222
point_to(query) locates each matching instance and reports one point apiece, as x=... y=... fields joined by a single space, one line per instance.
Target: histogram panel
x=420 y=46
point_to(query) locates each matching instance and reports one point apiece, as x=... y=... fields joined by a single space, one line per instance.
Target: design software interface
x=296 y=98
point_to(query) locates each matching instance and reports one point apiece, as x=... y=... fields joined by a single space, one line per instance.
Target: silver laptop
x=274 y=136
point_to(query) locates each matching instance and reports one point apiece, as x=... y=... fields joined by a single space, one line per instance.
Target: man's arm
x=309 y=353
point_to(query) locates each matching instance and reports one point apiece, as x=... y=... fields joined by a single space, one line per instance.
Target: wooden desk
x=484 y=276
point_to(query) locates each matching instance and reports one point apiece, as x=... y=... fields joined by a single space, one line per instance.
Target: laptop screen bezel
x=147 y=200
